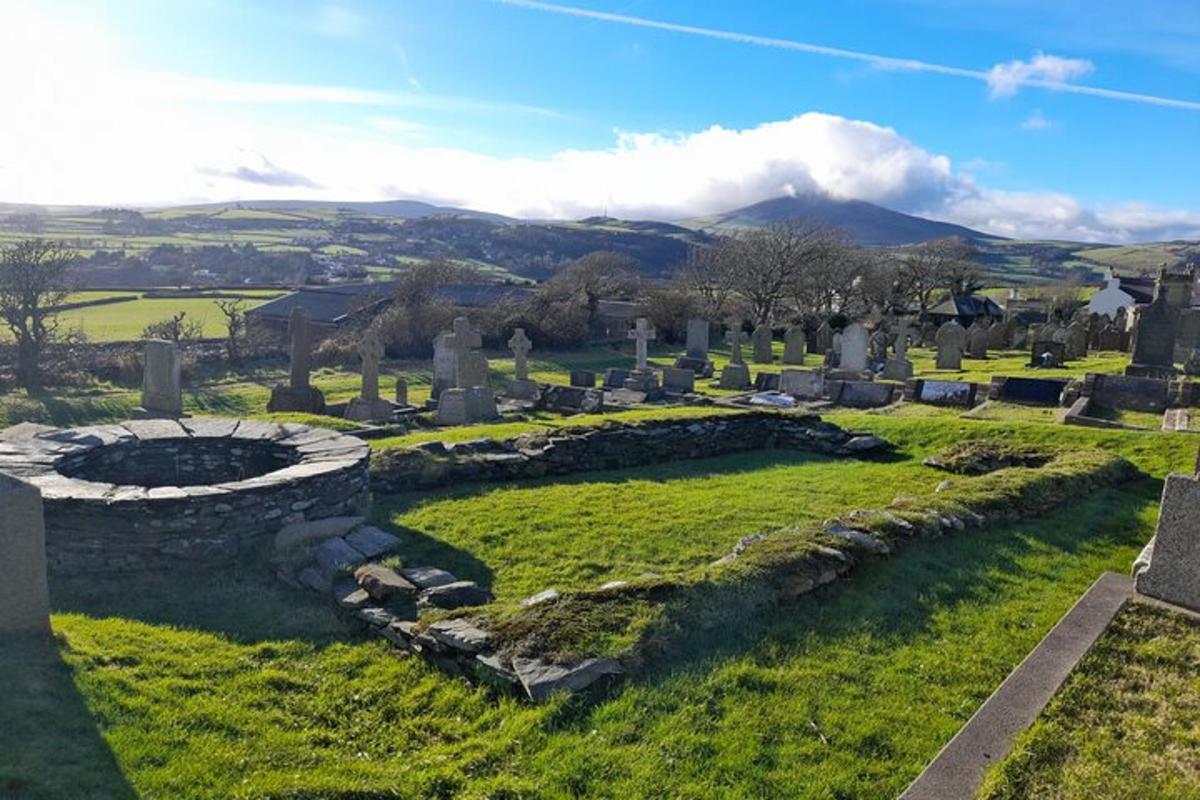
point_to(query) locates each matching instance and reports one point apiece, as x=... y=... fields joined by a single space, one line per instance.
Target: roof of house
x=327 y=305
x=1141 y=289
x=968 y=305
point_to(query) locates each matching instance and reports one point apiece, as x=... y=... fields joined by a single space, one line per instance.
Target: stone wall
x=612 y=446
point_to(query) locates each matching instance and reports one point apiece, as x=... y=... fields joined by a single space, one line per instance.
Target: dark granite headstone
x=614 y=378
x=766 y=382
x=865 y=394
x=1126 y=393
x=583 y=378
x=1047 y=354
x=701 y=367
x=946 y=393
x=1154 y=339
x=1028 y=391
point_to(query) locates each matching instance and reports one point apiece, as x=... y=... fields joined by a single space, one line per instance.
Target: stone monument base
x=362 y=410
x=702 y=367
x=1169 y=566
x=142 y=412
x=735 y=376
x=523 y=390
x=303 y=400
x=897 y=369
x=1151 y=371
x=466 y=406
x=644 y=381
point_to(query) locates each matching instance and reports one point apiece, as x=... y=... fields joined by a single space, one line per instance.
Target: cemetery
x=483 y=544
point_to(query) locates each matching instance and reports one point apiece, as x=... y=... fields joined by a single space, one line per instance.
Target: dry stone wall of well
x=160 y=494
x=613 y=446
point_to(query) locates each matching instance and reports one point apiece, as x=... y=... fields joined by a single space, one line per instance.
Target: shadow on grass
x=244 y=603
x=50 y=745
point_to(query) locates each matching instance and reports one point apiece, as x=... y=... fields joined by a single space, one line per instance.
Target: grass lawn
x=1125 y=725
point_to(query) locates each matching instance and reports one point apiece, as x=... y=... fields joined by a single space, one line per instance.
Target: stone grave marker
x=761 y=344
x=793 y=345
x=977 y=340
x=1127 y=393
x=573 y=399
x=865 y=394
x=678 y=381
x=766 y=382
x=369 y=406
x=823 y=341
x=583 y=378
x=643 y=333
x=162 y=393
x=401 y=392
x=1027 y=391
x=24 y=594
x=697 y=339
x=736 y=374
x=1048 y=354
x=1154 y=340
x=615 y=377
x=1169 y=567
x=522 y=388
x=899 y=367
x=1077 y=340
x=445 y=365
x=802 y=384
x=853 y=354
x=298 y=395
x=951 y=341
x=946 y=393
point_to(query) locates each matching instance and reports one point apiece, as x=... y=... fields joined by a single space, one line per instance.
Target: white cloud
x=1036 y=122
x=1042 y=70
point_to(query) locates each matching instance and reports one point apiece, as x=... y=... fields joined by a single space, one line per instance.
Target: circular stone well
x=156 y=494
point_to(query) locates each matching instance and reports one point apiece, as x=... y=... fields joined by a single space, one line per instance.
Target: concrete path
x=957 y=771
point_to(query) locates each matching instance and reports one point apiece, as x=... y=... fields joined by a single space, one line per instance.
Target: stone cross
x=901 y=344
x=520 y=346
x=371 y=351
x=643 y=333
x=735 y=339
x=300 y=333
x=462 y=341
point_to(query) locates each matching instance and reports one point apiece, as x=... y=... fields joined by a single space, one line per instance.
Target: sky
x=1073 y=119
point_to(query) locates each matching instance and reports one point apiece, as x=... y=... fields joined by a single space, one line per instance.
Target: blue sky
x=1065 y=119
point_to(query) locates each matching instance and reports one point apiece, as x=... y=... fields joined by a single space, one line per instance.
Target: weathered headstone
x=1154 y=340
x=1109 y=338
x=823 y=341
x=1169 y=567
x=678 y=381
x=697 y=339
x=583 y=378
x=977 y=340
x=1027 y=391
x=369 y=406
x=470 y=365
x=793 y=345
x=299 y=395
x=766 y=382
x=736 y=374
x=853 y=355
x=401 y=392
x=951 y=341
x=573 y=399
x=643 y=333
x=1077 y=340
x=761 y=343
x=865 y=394
x=521 y=387
x=898 y=367
x=1048 y=354
x=1127 y=393
x=445 y=365
x=24 y=595
x=802 y=384
x=999 y=335
x=615 y=377
x=162 y=393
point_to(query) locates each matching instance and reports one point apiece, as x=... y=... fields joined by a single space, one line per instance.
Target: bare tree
x=233 y=309
x=34 y=281
x=938 y=265
x=708 y=274
x=176 y=328
x=767 y=262
x=595 y=276
x=826 y=283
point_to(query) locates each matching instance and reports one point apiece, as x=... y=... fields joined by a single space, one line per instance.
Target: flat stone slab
x=541 y=680
x=957 y=771
x=382 y=582
x=460 y=634
x=427 y=577
x=335 y=556
x=460 y=594
x=372 y=542
x=314 y=530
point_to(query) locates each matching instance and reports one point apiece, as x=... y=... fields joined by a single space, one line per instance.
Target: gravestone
x=678 y=381
x=853 y=356
x=898 y=367
x=736 y=374
x=470 y=400
x=642 y=334
x=1109 y=338
x=793 y=345
x=24 y=595
x=1027 y=391
x=766 y=382
x=951 y=341
x=802 y=384
x=445 y=365
x=1127 y=393
x=1187 y=337
x=1154 y=340
x=1048 y=354
x=162 y=394
x=761 y=342
x=999 y=335
x=1077 y=340
x=945 y=393
x=573 y=399
x=369 y=406
x=583 y=378
x=521 y=388
x=697 y=339
x=977 y=340
x=701 y=368
x=615 y=377
x=401 y=392
x=865 y=394
x=823 y=341
x=299 y=395
x=1169 y=567
x=453 y=408
x=470 y=365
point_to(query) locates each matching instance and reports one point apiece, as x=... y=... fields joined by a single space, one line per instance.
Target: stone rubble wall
x=613 y=446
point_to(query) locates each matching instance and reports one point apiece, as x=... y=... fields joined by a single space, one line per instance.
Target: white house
x=1111 y=298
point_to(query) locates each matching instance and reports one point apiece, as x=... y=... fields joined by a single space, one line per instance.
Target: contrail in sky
x=881 y=61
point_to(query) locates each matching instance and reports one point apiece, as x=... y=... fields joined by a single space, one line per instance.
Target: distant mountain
x=865 y=223
x=401 y=209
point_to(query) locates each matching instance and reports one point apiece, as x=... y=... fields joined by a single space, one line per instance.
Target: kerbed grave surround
x=159 y=494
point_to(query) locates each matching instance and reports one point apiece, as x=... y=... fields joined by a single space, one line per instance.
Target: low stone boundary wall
x=611 y=446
